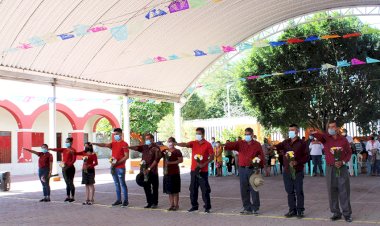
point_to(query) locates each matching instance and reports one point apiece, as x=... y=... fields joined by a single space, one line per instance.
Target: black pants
x=317 y=162
x=151 y=189
x=294 y=188
x=247 y=191
x=68 y=175
x=229 y=164
x=202 y=182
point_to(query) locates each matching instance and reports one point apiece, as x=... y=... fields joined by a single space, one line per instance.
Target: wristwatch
x=149 y=168
x=344 y=163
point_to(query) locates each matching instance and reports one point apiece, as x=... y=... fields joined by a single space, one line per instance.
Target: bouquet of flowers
x=256 y=163
x=198 y=158
x=62 y=165
x=276 y=154
x=337 y=152
x=167 y=157
x=85 y=158
x=290 y=156
x=142 y=169
x=112 y=160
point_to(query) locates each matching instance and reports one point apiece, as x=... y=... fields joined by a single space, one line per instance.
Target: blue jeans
x=317 y=162
x=377 y=167
x=119 y=180
x=369 y=165
x=44 y=172
x=247 y=192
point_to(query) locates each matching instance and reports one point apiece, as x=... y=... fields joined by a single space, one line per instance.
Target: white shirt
x=316 y=148
x=349 y=139
x=372 y=144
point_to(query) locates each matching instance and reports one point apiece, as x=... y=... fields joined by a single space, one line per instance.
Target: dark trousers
x=339 y=190
x=151 y=189
x=229 y=164
x=317 y=162
x=247 y=191
x=294 y=188
x=68 y=175
x=202 y=182
x=44 y=173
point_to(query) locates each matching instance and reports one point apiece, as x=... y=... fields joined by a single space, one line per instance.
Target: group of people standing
x=294 y=150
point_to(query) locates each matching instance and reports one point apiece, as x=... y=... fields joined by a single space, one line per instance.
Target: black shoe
x=154 y=206
x=300 y=214
x=67 y=200
x=290 y=214
x=335 y=217
x=43 y=200
x=348 y=219
x=85 y=203
x=72 y=200
x=148 y=206
x=125 y=204
x=117 y=203
x=193 y=209
x=207 y=210
x=47 y=200
x=246 y=212
x=256 y=212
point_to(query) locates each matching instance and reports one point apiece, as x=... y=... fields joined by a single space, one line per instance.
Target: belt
x=246 y=167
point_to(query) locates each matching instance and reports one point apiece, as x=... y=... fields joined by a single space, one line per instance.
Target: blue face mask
x=68 y=145
x=117 y=137
x=44 y=150
x=311 y=137
x=292 y=134
x=147 y=142
x=332 y=132
x=198 y=137
x=248 y=138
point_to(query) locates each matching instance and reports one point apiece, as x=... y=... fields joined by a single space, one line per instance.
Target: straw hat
x=256 y=180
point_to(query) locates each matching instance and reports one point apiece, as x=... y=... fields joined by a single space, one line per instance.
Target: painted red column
x=24 y=139
x=78 y=141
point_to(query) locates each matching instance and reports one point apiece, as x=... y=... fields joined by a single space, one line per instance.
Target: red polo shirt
x=329 y=141
x=44 y=160
x=118 y=150
x=247 y=152
x=204 y=149
x=92 y=159
x=68 y=155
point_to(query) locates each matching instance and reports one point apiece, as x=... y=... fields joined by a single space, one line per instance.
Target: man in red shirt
x=338 y=179
x=199 y=169
x=151 y=154
x=294 y=186
x=120 y=154
x=248 y=150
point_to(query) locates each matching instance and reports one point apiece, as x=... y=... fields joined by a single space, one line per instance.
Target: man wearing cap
x=248 y=150
x=338 y=179
x=293 y=178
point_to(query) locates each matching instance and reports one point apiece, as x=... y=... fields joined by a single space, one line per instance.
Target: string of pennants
x=119 y=33
x=212 y=50
x=43 y=99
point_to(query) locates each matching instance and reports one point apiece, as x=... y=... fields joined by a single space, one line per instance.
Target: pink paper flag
x=97 y=29
x=355 y=61
x=227 y=49
x=24 y=46
x=253 y=77
x=159 y=59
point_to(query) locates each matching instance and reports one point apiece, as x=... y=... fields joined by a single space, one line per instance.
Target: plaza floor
x=20 y=206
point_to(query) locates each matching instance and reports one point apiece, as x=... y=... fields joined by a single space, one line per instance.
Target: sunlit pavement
x=20 y=206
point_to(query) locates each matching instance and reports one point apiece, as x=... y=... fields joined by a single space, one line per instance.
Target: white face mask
x=198 y=137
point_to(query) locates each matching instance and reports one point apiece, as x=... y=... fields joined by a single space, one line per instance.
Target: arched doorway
x=8 y=136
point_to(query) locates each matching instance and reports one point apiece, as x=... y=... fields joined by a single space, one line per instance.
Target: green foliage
x=104 y=126
x=194 y=108
x=146 y=116
x=312 y=99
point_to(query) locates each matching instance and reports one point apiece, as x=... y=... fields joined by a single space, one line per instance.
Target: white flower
x=256 y=160
x=198 y=156
x=142 y=162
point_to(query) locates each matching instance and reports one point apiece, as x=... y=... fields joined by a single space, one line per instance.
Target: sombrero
x=256 y=180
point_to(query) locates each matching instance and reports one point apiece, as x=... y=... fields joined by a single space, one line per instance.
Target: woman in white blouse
x=316 y=148
x=372 y=148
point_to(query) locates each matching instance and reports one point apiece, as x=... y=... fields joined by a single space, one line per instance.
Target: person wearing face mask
x=120 y=154
x=45 y=165
x=248 y=150
x=90 y=160
x=294 y=186
x=199 y=169
x=68 y=168
x=151 y=154
x=338 y=186
x=172 y=180
x=372 y=148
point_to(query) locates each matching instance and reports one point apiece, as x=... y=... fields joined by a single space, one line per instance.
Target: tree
x=195 y=108
x=313 y=98
x=145 y=117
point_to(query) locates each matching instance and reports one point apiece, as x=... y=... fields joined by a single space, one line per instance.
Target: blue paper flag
x=274 y=44
x=371 y=60
x=120 y=33
x=155 y=13
x=173 y=57
x=313 y=69
x=343 y=63
x=199 y=53
x=214 y=50
x=149 y=61
x=81 y=30
x=244 y=46
x=66 y=36
x=290 y=72
x=312 y=38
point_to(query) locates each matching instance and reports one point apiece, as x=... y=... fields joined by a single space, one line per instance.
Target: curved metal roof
x=99 y=62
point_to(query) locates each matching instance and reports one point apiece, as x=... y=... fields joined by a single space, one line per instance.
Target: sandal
x=172 y=208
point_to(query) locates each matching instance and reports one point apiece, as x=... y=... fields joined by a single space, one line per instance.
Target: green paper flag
x=197 y=3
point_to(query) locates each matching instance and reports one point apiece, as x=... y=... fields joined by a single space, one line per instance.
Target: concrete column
x=53 y=127
x=127 y=131
x=78 y=141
